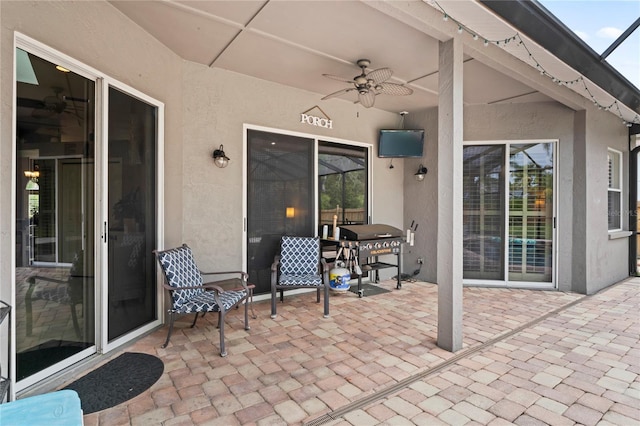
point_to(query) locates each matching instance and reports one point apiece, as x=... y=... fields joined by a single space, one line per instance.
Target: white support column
x=450 y=134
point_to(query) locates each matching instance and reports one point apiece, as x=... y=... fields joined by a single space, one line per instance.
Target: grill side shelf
x=377 y=265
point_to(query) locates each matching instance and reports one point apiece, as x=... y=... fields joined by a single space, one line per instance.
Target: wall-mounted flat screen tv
x=401 y=143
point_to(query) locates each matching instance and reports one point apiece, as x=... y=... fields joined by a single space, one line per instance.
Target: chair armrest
x=276 y=262
x=325 y=271
x=213 y=287
x=43 y=278
x=323 y=262
x=242 y=274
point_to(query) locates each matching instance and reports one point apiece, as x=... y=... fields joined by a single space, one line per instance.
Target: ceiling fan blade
x=335 y=77
x=30 y=103
x=74 y=99
x=380 y=75
x=338 y=93
x=367 y=99
x=43 y=113
x=393 y=89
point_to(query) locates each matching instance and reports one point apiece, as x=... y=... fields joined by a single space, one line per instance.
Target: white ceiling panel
x=295 y=42
x=240 y=12
x=194 y=37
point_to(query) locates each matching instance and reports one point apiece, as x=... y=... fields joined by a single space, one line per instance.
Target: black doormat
x=368 y=289
x=45 y=355
x=117 y=381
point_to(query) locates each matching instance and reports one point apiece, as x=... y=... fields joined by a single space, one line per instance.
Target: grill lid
x=369 y=232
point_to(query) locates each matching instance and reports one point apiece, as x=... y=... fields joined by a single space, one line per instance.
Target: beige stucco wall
x=217 y=106
x=203 y=108
x=586 y=259
x=606 y=259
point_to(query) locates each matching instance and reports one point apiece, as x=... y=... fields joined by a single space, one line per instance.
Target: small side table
x=235 y=284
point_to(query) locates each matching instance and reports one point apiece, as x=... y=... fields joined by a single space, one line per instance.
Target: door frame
x=102 y=82
x=316 y=139
x=506 y=283
x=103 y=225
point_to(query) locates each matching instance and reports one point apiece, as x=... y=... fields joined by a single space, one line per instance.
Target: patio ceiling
x=294 y=42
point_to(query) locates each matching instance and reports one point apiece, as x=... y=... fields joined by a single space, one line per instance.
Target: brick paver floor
x=529 y=358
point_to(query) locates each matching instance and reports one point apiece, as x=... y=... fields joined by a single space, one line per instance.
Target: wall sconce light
x=220 y=158
x=421 y=173
x=291 y=212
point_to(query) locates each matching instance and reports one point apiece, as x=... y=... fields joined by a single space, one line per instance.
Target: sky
x=599 y=23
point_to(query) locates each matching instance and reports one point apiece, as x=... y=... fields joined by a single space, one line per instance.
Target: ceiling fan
x=51 y=105
x=370 y=85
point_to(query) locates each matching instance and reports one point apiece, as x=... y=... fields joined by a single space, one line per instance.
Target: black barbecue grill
x=369 y=242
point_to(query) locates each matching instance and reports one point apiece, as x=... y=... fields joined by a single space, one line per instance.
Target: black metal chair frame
x=218 y=294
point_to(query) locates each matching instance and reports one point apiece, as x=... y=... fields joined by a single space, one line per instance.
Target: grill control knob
x=376 y=245
x=385 y=244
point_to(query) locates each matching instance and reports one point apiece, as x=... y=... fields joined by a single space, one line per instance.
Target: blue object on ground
x=61 y=408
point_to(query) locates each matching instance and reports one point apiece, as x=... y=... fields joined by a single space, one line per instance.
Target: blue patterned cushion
x=180 y=269
x=206 y=302
x=300 y=280
x=299 y=261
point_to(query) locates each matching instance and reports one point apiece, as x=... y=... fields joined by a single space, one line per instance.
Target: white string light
x=615 y=105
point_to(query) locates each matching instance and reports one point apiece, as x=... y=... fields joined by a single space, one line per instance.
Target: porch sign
x=313 y=120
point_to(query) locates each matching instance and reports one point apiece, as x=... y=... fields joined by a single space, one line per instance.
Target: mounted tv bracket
x=402 y=115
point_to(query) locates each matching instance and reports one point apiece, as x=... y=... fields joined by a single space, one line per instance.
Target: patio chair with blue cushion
x=190 y=295
x=299 y=265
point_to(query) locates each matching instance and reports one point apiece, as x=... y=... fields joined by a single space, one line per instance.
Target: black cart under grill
x=371 y=241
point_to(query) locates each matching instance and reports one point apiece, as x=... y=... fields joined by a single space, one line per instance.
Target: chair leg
x=223 y=350
x=74 y=318
x=27 y=303
x=273 y=301
x=246 y=314
x=318 y=295
x=170 y=330
x=194 y=320
x=326 y=300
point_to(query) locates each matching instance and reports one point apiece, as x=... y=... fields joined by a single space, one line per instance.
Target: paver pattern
x=529 y=358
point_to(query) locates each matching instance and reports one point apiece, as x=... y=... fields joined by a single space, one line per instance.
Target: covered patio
x=528 y=356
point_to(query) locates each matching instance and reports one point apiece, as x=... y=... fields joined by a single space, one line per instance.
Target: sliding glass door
x=55 y=197
x=86 y=206
x=295 y=184
x=279 y=198
x=132 y=203
x=509 y=214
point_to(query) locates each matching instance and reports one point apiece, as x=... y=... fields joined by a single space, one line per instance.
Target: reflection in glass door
x=526 y=179
x=483 y=212
x=279 y=197
x=531 y=212
x=132 y=218
x=54 y=212
x=342 y=184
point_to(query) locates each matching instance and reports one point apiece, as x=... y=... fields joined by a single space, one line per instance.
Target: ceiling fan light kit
x=370 y=85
